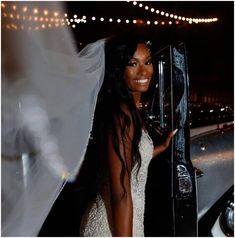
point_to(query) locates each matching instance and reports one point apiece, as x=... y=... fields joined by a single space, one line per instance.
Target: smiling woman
x=123 y=147
x=48 y=101
x=139 y=71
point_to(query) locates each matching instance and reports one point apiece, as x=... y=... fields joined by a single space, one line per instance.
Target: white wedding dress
x=97 y=220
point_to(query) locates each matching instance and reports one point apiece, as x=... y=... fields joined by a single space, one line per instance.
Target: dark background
x=210 y=46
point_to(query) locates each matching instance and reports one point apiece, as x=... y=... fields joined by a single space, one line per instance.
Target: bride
x=122 y=143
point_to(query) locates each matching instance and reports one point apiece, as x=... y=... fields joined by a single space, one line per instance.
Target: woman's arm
x=163 y=146
x=121 y=202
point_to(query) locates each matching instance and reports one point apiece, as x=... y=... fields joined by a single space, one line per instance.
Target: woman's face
x=139 y=70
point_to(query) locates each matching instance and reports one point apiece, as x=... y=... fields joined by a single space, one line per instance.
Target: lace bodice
x=97 y=221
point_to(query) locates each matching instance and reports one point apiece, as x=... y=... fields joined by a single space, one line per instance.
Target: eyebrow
x=148 y=57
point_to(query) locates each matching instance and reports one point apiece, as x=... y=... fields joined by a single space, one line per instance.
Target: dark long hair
x=114 y=94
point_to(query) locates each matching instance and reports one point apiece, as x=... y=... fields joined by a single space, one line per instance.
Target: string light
x=31 y=20
x=190 y=20
x=74 y=20
x=35 y=11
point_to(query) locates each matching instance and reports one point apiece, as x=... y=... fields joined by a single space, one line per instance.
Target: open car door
x=171 y=197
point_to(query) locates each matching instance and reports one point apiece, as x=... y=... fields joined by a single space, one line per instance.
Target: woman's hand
x=164 y=145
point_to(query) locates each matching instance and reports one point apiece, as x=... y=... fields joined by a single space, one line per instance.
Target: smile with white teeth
x=141 y=81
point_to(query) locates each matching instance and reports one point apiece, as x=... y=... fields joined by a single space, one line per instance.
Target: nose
x=143 y=71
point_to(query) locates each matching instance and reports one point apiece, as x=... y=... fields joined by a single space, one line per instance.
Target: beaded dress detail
x=97 y=220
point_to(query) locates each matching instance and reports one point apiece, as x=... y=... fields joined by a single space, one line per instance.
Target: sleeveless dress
x=97 y=220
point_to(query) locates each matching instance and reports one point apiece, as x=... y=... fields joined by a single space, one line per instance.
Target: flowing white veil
x=49 y=93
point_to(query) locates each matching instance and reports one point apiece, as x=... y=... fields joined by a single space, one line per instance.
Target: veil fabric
x=49 y=94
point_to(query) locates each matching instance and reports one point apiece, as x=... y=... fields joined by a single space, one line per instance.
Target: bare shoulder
x=123 y=124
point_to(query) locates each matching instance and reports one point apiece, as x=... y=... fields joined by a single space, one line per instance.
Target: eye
x=148 y=62
x=132 y=64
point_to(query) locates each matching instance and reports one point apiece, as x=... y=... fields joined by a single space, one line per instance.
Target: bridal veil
x=49 y=93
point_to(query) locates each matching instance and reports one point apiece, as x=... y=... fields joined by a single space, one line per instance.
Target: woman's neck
x=137 y=97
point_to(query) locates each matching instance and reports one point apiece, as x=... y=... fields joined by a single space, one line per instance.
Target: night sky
x=210 y=46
